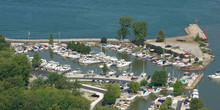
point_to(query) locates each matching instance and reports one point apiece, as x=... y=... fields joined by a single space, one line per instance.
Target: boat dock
x=194 y=81
x=102 y=77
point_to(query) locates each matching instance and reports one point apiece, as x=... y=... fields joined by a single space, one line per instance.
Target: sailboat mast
x=143 y=65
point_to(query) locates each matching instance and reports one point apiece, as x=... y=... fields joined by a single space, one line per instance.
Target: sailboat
x=143 y=74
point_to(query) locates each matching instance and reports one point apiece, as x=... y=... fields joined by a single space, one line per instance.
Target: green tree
x=163 y=106
x=196 y=104
x=58 y=81
x=78 y=47
x=22 y=67
x=37 y=83
x=76 y=86
x=159 y=77
x=3 y=44
x=168 y=101
x=125 y=22
x=12 y=99
x=166 y=105
x=113 y=91
x=160 y=36
x=51 y=39
x=140 y=30
x=49 y=97
x=178 y=88
x=11 y=82
x=88 y=49
x=105 y=69
x=51 y=54
x=196 y=59
x=134 y=86
x=197 y=38
x=36 y=61
x=98 y=107
x=103 y=40
x=143 y=82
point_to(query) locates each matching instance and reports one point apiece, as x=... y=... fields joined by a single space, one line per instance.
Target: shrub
x=103 y=40
x=202 y=44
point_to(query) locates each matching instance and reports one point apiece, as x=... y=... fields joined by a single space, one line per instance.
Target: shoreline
x=183 y=42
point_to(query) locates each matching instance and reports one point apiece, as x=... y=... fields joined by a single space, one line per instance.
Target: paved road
x=93 y=88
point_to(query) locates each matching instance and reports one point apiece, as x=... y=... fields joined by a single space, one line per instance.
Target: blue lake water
x=98 y=18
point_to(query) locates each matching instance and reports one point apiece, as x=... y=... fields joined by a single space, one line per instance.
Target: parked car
x=168 y=46
x=95 y=95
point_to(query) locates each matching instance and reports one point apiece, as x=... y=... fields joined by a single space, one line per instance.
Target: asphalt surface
x=179 y=104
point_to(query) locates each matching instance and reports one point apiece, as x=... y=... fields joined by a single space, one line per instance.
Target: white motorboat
x=65 y=68
x=90 y=72
x=114 y=59
x=124 y=73
x=25 y=51
x=65 y=54
x=131 y=74
x=133 y=53
x=146 y=93
x=215 y=76
x=109 y=63
x=112 y=72
x=43 y=62
x=120 y=49
x=74 y=55
x=195 y=93
x=76 y=71
x=122 y=63
x=163 y=63
x=143 y=74
x=89 y=60
x=141 y=54
x=130 y=97
x=156 y=90
x=101 y=66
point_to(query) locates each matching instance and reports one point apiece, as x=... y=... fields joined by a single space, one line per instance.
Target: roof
x=186 y=54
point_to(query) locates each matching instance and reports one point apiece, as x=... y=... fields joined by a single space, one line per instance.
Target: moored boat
x=215 y=76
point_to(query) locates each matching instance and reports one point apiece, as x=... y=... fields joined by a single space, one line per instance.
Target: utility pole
x=29 y=36
x=59 y=36
x=196 y=21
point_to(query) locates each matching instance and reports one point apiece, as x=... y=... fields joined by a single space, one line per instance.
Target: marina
x=28 y=24
x=96 y=59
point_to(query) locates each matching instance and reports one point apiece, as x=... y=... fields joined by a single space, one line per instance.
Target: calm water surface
x=98 y=18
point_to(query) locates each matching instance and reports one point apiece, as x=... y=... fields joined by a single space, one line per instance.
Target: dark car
x=95 y=95
x=168 y=46
x=117 y=76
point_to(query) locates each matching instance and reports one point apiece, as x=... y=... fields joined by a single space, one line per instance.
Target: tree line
x=139 y=29
x=79 y=47
x=17 y=92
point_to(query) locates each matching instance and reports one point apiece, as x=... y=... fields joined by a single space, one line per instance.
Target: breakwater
x=192 y=30
x=63 y=40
